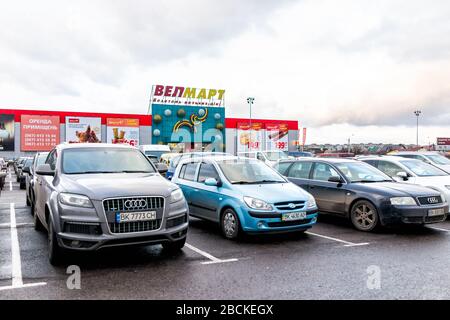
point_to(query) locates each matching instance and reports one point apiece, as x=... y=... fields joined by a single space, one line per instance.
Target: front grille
x=290 y=205
x=83 y=228
x=288 y=223
x=134 y=226
x=426 y=201
x=133 y=204
x=176 y=221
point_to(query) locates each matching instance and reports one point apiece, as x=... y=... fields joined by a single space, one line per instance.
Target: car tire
x=364 y=216
x=229 y=223
x=55 y=252
x=22 y=186
x=28 y=201
x=37 y=223
x=174 y=246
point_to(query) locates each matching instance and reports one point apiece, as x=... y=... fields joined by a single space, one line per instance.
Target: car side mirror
x=335 y=179
x=26 y=170
x=403 y=175
x=161 y=167
x=45 y=170
x=212 y=182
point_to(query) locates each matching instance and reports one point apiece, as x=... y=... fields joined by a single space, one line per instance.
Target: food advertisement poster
x=6 y=132
x=249 y=140
x=83 y=130
x=39 y=133
x=122 y=131
x=277 y=137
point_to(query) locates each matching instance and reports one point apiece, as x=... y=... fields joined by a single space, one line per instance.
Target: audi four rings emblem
x=135 y=204
x=433 y=200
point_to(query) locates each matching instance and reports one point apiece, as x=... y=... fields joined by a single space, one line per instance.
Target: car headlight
x=75 y=200
x=312 y=202
x=176 y=196
x=257 y=204
x=403 y=201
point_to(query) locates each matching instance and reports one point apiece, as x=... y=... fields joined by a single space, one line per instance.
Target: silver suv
x=91 y=196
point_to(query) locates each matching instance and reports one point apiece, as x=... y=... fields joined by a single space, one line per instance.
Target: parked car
x=92 y=196
x=269 y=157
x=167 y=157
x=3 y=164
x=38 y=159
x=154 y=149
x=363 y=194
x=430 y=157
x=414 y=172
x=336 y=155
x=300 y=154
x=17 y=165
x=190 y=155
x=244 y=195
x=21 y=174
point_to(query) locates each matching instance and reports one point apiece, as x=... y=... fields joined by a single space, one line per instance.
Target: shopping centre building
x=186 y=119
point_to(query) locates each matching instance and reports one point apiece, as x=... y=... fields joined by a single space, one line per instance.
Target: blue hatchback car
x=244 y=195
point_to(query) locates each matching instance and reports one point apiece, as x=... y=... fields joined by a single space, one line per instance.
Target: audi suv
x=92 y=196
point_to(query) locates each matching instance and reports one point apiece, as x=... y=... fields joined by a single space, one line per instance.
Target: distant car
x=167 y=157
x=190 y=155
x=269 y=157
x=96 y=195
x=244 y=195
x=21 y=175
x=154 y=149
x=363 y=194
x=300 y=154
x=430 y=157
x=38 y=159
x=413 y=171
x=336 y=155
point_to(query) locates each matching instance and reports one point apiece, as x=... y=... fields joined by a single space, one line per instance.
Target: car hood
x=101 y=186
x=397 y=189
x=440 y=181
x=273 y=192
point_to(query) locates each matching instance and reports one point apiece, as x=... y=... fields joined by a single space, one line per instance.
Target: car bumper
x=270 y=222
x=413 y=214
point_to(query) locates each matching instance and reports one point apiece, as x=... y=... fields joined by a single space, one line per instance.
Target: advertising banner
x=83 y=129
x=6 y=132
x=443 y=141
x=39 y=133
x=178 y=95
x=277 y=137
x=122 y=131
x=249 y=140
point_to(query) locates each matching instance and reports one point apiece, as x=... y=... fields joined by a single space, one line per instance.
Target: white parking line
x=439 y=229
x=208 y=256
x=16 y=268
x=18 y=225
x=10 y=185
x=346 y=243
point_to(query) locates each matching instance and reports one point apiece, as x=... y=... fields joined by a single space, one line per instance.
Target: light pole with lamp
x=250 y=101
x=417 y=113
x=349 y=146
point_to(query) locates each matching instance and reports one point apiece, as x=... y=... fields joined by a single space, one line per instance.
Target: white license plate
x=135 y=216
x=436 y=212
x=293 y=216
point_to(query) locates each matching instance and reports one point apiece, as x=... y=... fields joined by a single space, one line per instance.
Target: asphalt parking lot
x=331 y=261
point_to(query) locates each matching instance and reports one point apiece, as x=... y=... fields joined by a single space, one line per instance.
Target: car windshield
x=241 y=171
x=28 y=162
x=276 y=155
x=438 y=159
x=104 y=160
x=423 y=169
x=361 y=172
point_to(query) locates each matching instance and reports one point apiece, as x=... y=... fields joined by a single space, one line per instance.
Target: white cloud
x=360 y=65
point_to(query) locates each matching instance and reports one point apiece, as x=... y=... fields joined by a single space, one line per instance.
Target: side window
x=51 y=160
x=391 y=169
x=189 y=172
x=206 y=171
x=373 y=163
x=301 y=170
x=182 y=171
x=411 y=156
x=323 y=172
x=260 y=156
x=282 y=167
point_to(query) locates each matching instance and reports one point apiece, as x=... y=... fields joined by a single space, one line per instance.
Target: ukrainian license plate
x=135 y=216
x=436 y=212
x=291 y=216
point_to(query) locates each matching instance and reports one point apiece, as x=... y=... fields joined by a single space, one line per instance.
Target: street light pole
x=250 y=101
x=349 y=146
x=417 y=113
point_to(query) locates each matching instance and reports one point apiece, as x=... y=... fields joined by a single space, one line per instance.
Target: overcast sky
x=341 y=68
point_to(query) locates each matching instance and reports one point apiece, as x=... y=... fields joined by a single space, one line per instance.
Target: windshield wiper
x=136 y=171
x=269 y=181
x=370 y=181
x=90 y=172
x=241 y=182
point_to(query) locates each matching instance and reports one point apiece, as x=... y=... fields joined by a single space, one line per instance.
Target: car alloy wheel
x=55 y=253
x=364 y=216
x=230 y=224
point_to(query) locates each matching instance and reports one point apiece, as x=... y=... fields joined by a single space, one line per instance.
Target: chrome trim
x=138 y=232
